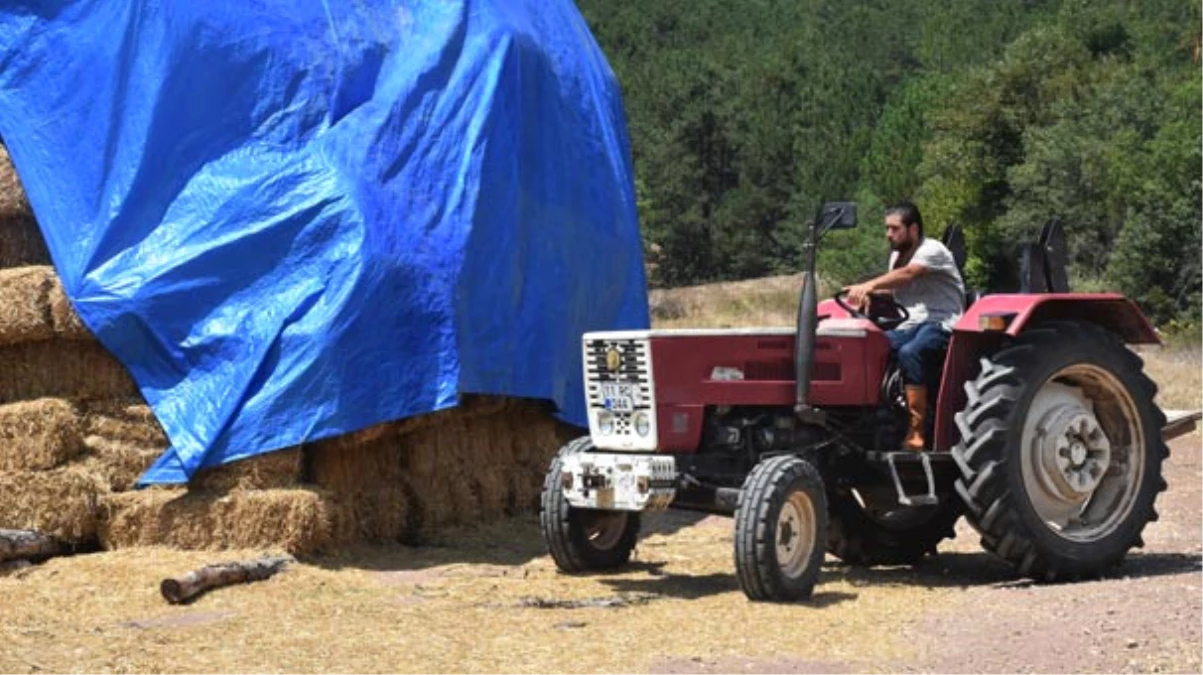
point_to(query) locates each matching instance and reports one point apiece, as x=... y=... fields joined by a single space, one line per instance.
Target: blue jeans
x=920 y=353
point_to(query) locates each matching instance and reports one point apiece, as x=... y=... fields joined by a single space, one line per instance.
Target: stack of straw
x=75 y=436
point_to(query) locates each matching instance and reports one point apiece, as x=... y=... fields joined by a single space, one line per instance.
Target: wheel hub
x=795 y=530
x=1073 y=449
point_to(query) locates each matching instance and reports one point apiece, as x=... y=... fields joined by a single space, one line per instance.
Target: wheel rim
x=603 y=529
x=1083 y=453
x=795 y=534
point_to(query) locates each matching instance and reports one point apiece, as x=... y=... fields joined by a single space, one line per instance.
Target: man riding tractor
x=923 y=278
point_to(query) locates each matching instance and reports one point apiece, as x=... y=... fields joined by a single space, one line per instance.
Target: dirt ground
x=489 y=600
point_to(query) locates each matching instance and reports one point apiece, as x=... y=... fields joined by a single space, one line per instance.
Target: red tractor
x=1045 y=437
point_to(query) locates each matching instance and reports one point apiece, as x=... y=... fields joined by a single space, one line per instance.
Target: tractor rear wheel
x=583 y=540
x=780 y=528
x=861 y=533
x=1060 y=452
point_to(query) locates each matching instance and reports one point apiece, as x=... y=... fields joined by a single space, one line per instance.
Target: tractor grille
x=633 y=368
x=620 y=393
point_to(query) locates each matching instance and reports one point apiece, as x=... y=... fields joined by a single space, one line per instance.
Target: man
x=925 y=280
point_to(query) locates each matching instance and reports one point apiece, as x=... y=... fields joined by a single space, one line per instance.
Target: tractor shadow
x=951 y=570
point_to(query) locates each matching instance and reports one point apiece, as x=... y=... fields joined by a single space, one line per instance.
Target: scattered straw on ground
x=463 y=606
x=39 y=434
x=62 y=502
x=297 y=519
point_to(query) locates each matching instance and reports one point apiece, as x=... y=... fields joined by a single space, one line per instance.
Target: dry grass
x=772 y=301
x=39 y=434
x=1178 y=372
x=458 y=607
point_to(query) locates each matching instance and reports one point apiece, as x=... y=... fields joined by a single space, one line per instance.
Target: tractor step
x=915 y=468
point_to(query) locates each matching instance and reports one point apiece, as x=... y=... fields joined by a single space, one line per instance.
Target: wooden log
x=181 y=589
x=27 y=544
x=14 y=567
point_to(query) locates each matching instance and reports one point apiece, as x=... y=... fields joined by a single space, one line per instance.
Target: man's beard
x=902 y=246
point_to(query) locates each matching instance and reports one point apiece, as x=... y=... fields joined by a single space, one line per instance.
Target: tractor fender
x=1112 y=311
x=972 y=338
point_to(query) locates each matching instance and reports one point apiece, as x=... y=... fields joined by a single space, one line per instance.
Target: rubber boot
x=916 y=403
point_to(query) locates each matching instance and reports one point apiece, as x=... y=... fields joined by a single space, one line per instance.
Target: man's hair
x=908 y=212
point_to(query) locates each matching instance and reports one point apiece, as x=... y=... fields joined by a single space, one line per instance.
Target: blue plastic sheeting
x=292 y=220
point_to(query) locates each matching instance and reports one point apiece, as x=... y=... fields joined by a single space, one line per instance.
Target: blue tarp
x=292 y=220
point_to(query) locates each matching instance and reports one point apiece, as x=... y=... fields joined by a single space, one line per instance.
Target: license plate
x=619 y=397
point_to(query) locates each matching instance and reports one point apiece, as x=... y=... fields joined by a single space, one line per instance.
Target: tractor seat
x=954 y=240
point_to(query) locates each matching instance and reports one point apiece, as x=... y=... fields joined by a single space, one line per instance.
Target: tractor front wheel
x=1060 y=452
x=583 y=540
x=780 y=530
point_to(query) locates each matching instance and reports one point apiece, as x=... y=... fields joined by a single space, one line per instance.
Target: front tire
x=583 y=540
x=780 y=530
x=1061 y=451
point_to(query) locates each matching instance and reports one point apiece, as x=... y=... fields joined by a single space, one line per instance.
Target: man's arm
x=858 y=294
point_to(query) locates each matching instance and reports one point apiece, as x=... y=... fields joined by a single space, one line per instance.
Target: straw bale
x=281 y=468
x=459 y=466
x=298 y=520
x=41 y=434
x=59 y=369
x=21 y=241
x=118 y=463
x=126 y=420
x=67 y=324
x=62 y=502
x=364 y=471
x=25 y=304
x=121 y=439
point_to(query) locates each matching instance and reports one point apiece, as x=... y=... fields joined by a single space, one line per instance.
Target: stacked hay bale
x=75 y=436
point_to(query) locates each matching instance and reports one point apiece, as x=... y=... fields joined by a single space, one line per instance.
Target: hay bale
x=363 y=471
x=57 y=369
x=460 y=466
x=66 y=322
x=278 y=469
x=125 y=420
x=38 y=435
x=117 y=464
x=62 y=503
x=121 y=439
x=21 y=241
x=298 y=520
x=25 y=304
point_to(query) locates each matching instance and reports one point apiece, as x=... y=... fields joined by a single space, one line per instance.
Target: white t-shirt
x=938 y=295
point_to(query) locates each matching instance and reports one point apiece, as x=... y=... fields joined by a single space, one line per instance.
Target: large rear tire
x=863 y=534
x=780 y=529
x=1061 y=451
x=583 y=540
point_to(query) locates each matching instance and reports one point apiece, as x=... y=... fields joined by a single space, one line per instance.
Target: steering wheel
x=884 y=310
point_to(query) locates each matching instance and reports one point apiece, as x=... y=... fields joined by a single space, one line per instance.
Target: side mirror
x=837 y=216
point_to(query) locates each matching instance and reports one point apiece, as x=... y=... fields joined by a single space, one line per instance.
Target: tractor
x=1044 y=434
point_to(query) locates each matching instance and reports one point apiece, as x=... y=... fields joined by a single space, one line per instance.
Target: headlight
x=643 y=424
x=605 y=423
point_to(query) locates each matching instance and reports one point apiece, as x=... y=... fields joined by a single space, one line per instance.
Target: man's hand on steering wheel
x=886 y=315
x=858 y=296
